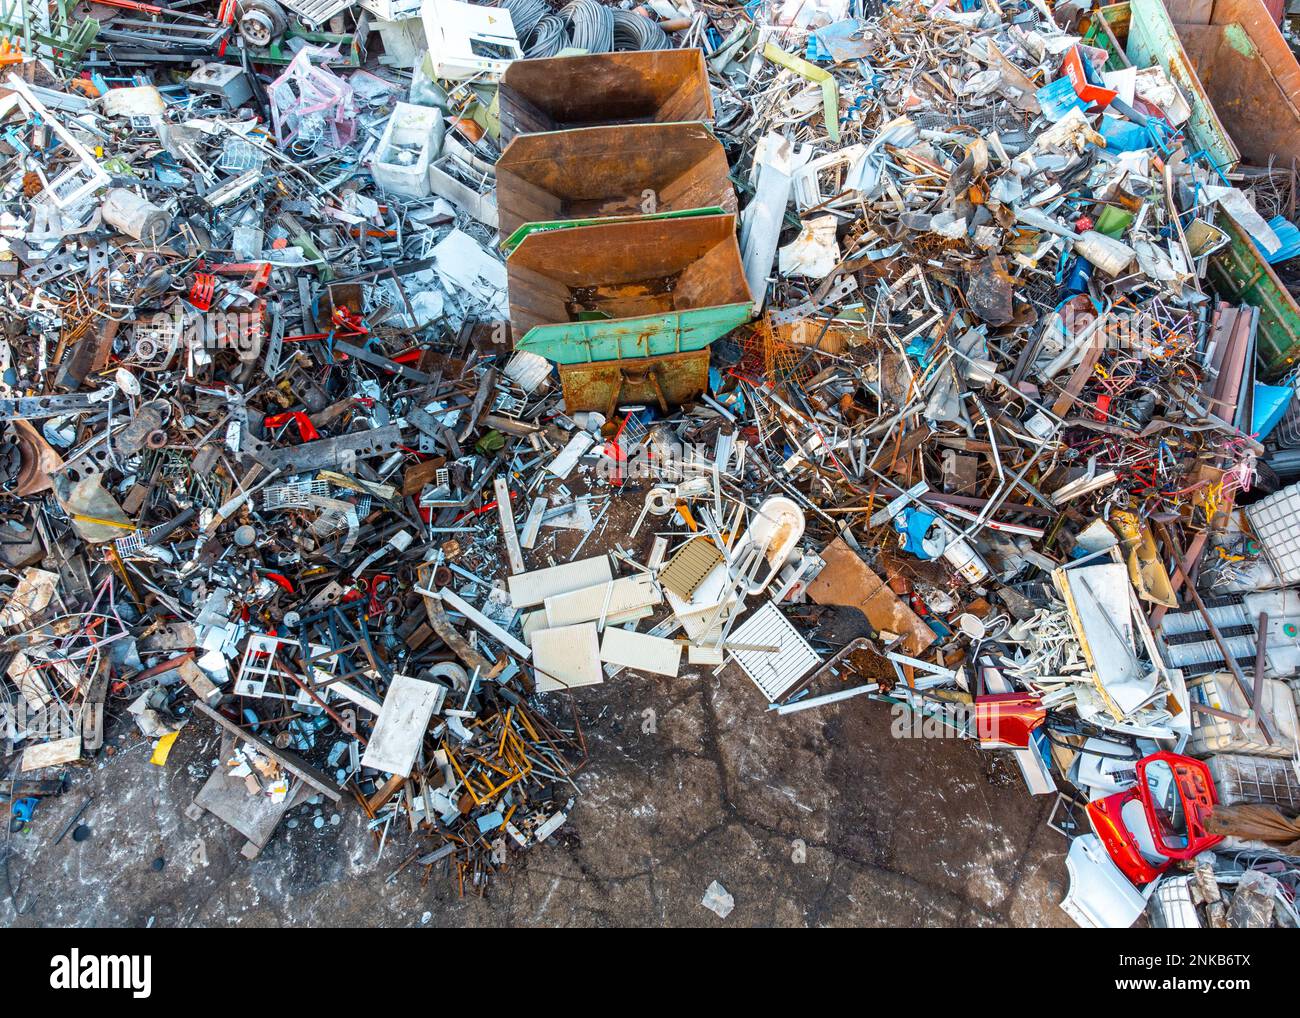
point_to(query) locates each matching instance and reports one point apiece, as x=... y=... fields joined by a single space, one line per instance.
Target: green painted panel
x=627 y=338
x=1152 y=39
x=1116 y=18
x=1240 y=273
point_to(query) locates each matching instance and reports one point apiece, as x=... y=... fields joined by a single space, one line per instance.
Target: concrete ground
x=689 y=781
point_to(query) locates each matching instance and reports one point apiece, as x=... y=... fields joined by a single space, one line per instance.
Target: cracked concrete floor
x=820 y=818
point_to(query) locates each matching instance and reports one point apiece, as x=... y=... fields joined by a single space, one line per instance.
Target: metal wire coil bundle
x=551 y=37
x=591 y=26
x=632 y=31
x=582 y=24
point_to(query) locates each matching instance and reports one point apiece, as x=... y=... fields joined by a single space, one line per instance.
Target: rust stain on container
x=662 y=382
x=611 y=171
x=561 y=93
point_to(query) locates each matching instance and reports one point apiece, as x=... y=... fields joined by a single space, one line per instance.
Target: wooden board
x=622 y=595
x=254 y=816
x=51 y=754
x=641 y=652
x=567 y=656
x=289 y=761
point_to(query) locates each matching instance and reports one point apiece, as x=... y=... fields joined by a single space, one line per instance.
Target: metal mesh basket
x=239 y=156
x=1244 y=779
x=1287 y=433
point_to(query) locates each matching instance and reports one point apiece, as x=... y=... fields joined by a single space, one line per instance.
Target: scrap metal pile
x=401 y=369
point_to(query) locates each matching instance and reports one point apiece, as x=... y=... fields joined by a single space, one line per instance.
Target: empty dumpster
x=1248 y=70
x=1141 y=34
x=600 y=172
x=603 y=89
x=630 y=288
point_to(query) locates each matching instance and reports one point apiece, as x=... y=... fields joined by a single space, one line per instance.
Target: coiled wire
x=540 y=33
x=582 y=24
x=552 y=35
x=634 y=32
x=591 y=25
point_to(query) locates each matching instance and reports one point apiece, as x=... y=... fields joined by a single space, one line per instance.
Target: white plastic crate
x=1276 y=521
x=410 y=142
x=1239 y=778
x=1212 y=734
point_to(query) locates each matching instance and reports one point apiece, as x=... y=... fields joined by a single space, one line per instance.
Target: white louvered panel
x=773 y=674
x=316 y=12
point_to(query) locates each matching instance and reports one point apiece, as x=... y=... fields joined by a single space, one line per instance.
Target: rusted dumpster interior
x=627 y=269
x=1248 y=71
x=561 y=93
x=1147 y=35
x=599 y=172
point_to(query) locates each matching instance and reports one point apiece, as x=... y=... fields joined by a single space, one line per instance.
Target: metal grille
x=316 y=12
x=782 y=360
x=1242 y=779
x=1172 y=906
x=293 y=495
x=239 y=156
x=773 y=673
x=686 y=570
x=1001 y=117
x=1276 y=521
